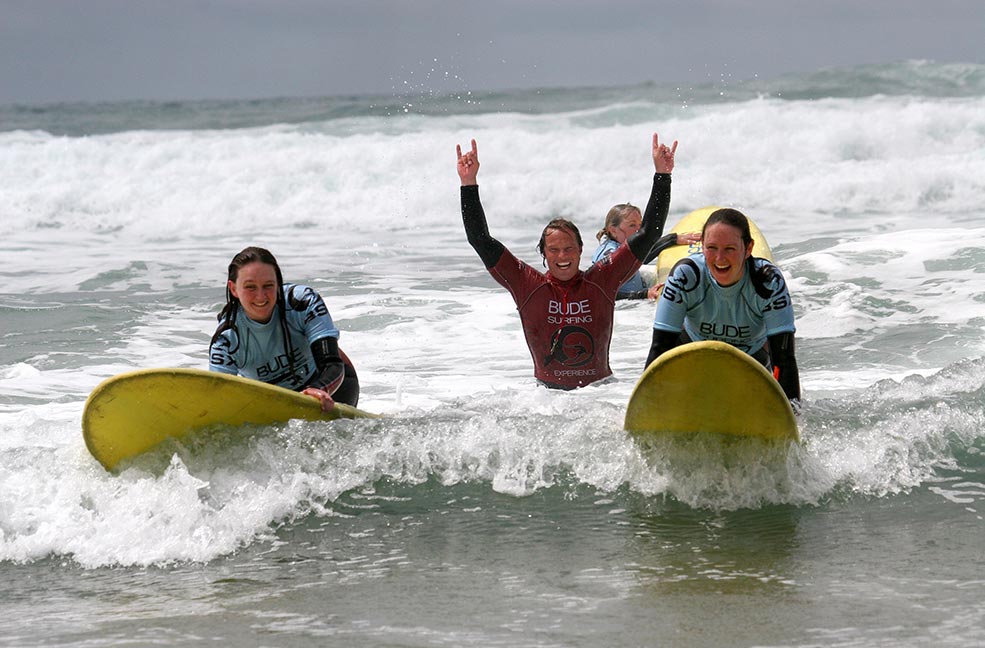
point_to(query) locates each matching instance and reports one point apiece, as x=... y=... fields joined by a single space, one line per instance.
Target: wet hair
x=227 y=316
x=615 y=217
x=732 y=217
x=562 y=224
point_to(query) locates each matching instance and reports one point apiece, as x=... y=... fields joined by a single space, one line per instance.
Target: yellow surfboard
x=709 y=387
x=131 y=413
x=693 y=222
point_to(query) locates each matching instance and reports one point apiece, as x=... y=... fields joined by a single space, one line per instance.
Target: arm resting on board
x=664 y=242
x=663 y=341
x=632 y=294
x=331 y=369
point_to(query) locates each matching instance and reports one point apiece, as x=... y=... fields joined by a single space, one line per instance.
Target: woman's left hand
x=327 y=402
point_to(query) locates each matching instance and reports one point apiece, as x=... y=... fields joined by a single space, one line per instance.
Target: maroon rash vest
x=567 y=324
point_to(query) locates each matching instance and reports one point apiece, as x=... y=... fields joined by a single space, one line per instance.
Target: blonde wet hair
x=615 y=217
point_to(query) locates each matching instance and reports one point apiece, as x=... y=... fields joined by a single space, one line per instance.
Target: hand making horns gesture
x=468 y=164
x=663 y=157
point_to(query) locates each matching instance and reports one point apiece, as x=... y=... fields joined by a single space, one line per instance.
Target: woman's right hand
x=327 y=402
x=688 y=237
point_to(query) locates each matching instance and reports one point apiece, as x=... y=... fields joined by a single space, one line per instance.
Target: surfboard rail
x=130 y=413
x=709 y=387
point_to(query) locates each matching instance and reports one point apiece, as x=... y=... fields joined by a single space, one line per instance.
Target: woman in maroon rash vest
x=566 y=314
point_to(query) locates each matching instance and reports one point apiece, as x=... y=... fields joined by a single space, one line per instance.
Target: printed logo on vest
x=572 y=346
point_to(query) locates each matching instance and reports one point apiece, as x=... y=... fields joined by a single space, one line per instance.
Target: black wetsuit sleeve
x=330 y=369
x=654 y=217
x=664 y=242
x=476 y=230
x=663 y=341
x=783 y=359
x=632 y=294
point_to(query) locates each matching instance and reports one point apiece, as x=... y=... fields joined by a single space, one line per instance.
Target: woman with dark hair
x=727 y=294
x=281 y=334
x=566 y=314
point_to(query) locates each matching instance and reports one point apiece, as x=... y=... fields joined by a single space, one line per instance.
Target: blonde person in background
x=622 y=221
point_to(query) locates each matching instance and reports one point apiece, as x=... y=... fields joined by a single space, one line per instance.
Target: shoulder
x=683 y=281
x=617 y=255
x=510 y=264
x=764 y=266
x=599 y=253
x=613 y=268
x=687 y=272
x=225 y=338
x=766 y=278
x=293 y=289
x=605 y=248
x=300 y=297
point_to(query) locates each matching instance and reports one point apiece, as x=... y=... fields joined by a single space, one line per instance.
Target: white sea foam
x=887 y=158
x=115 y=250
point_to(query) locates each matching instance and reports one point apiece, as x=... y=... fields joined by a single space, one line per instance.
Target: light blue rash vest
x=740 y=314
x=257 y=351
x=607 y=247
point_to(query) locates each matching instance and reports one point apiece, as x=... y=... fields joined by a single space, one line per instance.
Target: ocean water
x=483 y=509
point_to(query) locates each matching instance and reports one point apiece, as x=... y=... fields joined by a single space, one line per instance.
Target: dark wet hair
x=562 y=224
x=732 y=217
x=227 y=316
x=246 y=257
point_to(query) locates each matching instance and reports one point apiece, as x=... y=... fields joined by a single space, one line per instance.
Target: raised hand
x=468 y=165
x=663 y=157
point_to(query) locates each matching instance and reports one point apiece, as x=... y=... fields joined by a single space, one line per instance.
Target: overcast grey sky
x=95 y=50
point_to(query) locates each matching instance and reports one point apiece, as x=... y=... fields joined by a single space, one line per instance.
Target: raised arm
x=657 y=208
x=473 y=216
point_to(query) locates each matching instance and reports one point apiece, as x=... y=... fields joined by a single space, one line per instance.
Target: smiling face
x=256 y=289
x=629 y=225
x=562 y=253
x=725 y=253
